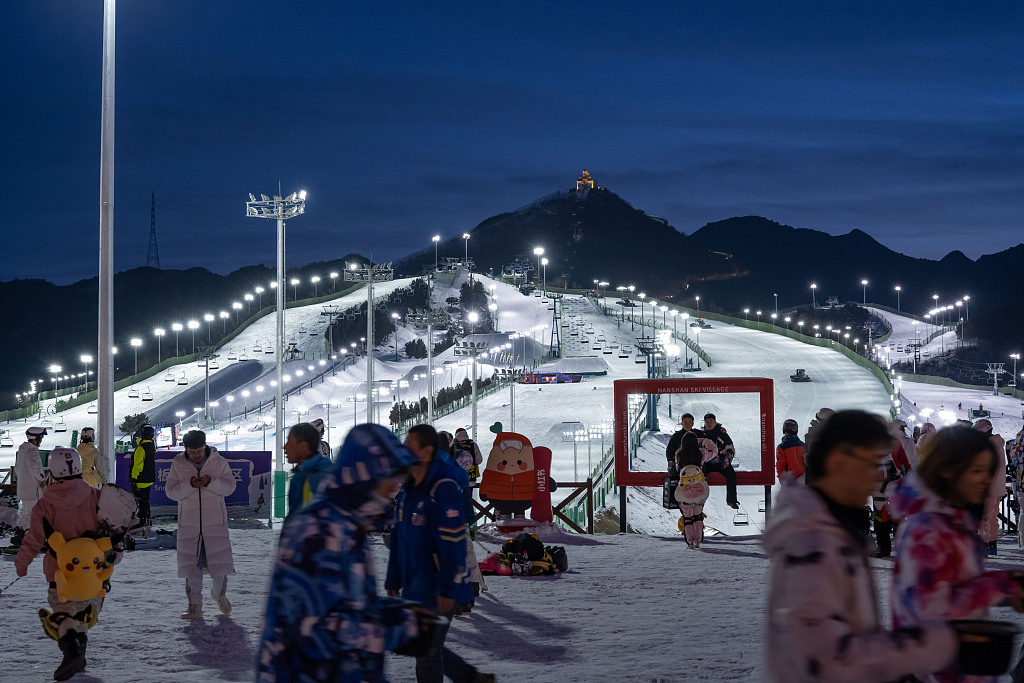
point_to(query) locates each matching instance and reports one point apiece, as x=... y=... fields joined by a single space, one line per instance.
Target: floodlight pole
x=418 y=317
x=381 y=272
x=280 y=209
x=105 y=356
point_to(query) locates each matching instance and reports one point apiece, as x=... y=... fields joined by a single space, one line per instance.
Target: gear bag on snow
x=526 y=555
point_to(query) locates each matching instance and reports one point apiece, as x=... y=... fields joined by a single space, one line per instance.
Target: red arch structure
x=623 y=388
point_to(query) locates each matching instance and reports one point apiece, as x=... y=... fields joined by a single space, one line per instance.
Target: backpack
x=464 y=459
x=527 y=556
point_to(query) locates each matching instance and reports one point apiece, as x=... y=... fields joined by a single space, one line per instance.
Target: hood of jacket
x=369 y=455
x=912 y=496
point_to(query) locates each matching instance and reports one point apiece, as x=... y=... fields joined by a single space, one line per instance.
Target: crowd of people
x=324 y=618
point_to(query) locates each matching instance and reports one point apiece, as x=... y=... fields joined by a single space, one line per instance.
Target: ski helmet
x=64 y=463
x=790 y=425
x=88 y=435
x=35 y=433
x=319 y=424
x=147 y=431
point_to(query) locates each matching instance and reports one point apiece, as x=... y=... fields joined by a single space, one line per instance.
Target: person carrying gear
x=143 y=473
x=325 y=447
x=28 y=469
x=67 y=509
x=87 y=449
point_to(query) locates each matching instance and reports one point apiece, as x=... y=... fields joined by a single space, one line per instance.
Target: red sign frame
x=762 y=386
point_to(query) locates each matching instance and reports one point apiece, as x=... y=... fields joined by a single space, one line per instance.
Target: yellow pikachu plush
x=81 y=567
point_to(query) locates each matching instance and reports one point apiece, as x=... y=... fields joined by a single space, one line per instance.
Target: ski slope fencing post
x=624 y=391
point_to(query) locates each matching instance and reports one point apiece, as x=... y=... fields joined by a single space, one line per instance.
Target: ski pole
x=9 y=585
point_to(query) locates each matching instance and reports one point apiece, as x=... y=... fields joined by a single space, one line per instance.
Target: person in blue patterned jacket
x=324 y=619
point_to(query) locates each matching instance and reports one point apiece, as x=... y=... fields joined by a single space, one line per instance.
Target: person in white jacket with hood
x=199 y=480
x=823 y=617
x=28 y=468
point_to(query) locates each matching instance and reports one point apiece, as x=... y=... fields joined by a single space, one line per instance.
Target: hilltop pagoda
x=584 y=182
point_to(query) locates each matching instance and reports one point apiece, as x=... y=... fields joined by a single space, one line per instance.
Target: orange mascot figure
x=508 y=480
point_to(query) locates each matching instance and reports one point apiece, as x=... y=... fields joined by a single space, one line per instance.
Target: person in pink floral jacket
x=939 y=556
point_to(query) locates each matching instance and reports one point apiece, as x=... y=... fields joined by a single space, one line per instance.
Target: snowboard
x=541 y=510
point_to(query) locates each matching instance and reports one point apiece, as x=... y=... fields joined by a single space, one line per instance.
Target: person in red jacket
x=789 y=455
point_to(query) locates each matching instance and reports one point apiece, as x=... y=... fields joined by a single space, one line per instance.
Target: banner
x=250 y=499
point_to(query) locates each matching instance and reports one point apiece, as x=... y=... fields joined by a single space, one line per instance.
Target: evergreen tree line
x=404 y=411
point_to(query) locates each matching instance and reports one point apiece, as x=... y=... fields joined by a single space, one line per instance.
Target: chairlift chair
x=740 y=519
x=257 y=349
x=269 y=349
x=243 y=356
x=133 y=393
x=61 y=426
x=232 y=355
x=607 y=350
x=639 y=358
x=46 y=424
x=182 y=381
x=760 y=506
x=93 y=409
x=214 y=365
x=147 y=395
x=201 y=362
x=6 y=441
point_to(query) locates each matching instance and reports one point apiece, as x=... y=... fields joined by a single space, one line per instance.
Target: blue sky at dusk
x=402 y=120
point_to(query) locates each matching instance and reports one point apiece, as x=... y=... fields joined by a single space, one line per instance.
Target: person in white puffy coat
x=28 y=468
x=199 y=480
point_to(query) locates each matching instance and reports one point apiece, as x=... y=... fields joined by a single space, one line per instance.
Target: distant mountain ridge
x=587 y=235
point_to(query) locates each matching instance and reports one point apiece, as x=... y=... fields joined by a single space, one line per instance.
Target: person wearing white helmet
x=69 y=506
x=28 y=468
x=325 y=446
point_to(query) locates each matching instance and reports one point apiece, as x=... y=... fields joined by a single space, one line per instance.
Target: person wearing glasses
x=822 y=621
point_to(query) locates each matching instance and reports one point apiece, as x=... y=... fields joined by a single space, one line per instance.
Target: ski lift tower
x=472 y=349
x=555 y=348
x=995 y=369
x=332 y=312
x=649 y=347
x=431 y=317
x=382 y=272
x=280 y=209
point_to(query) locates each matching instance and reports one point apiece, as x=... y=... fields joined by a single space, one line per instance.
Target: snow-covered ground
x=620 y=614
x=577 y=625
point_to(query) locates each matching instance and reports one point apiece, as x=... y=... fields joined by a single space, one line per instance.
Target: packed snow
x=622 y=610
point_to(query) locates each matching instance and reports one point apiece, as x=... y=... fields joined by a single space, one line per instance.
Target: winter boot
x=223 y=604
x=73 y=647
x=194 y=611
x=17 y=537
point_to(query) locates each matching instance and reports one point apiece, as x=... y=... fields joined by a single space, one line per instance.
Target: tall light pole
x=248 y=304
x=814 y=303
x=237 y=305
x=394 y=318
x=1015 y=356
x=898 y=290
x=158 y=333
x=472 y=349
x=259 y=293
x=315 y=280
x=430 y=317
x=864 y=285
x=465 y=236
x=295 y=288
x=86 y=359
x=209 y=318
x=435 y=239
x=192 y=325
x=641 y=296
x=334 y=281
x=223 y=315
x=697 y=299
x=544 y=276
x=54 y=372
x=279 y=209
x=538 y=252
x=177 y=327
x=136 y=343
x=105 y=314
x=776 y=303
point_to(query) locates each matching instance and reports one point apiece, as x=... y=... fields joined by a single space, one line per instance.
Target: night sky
x=402 y=120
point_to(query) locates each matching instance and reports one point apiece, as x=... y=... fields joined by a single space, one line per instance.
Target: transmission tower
x=153 y=255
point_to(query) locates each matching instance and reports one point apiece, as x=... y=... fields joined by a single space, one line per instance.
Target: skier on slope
x=28 y=468
x=68 y=506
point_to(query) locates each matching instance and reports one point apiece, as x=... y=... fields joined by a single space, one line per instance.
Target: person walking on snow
x=692 y=490
x=143 y=473
x=997 y=488
x=324 y=619
x=325 y=447
x=311 y=466
x=822 y=619
x=87 y=449
x=67 y=506
x=28 y=468
x=721 y=463
x=428 y=550
x=789 y=454
x=939 y=560
x=199 y=480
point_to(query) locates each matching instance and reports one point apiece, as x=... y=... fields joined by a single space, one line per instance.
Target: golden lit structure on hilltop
x=584 y=182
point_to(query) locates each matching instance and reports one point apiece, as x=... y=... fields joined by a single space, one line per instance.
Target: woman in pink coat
x=939 y=572
x=200 y=479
